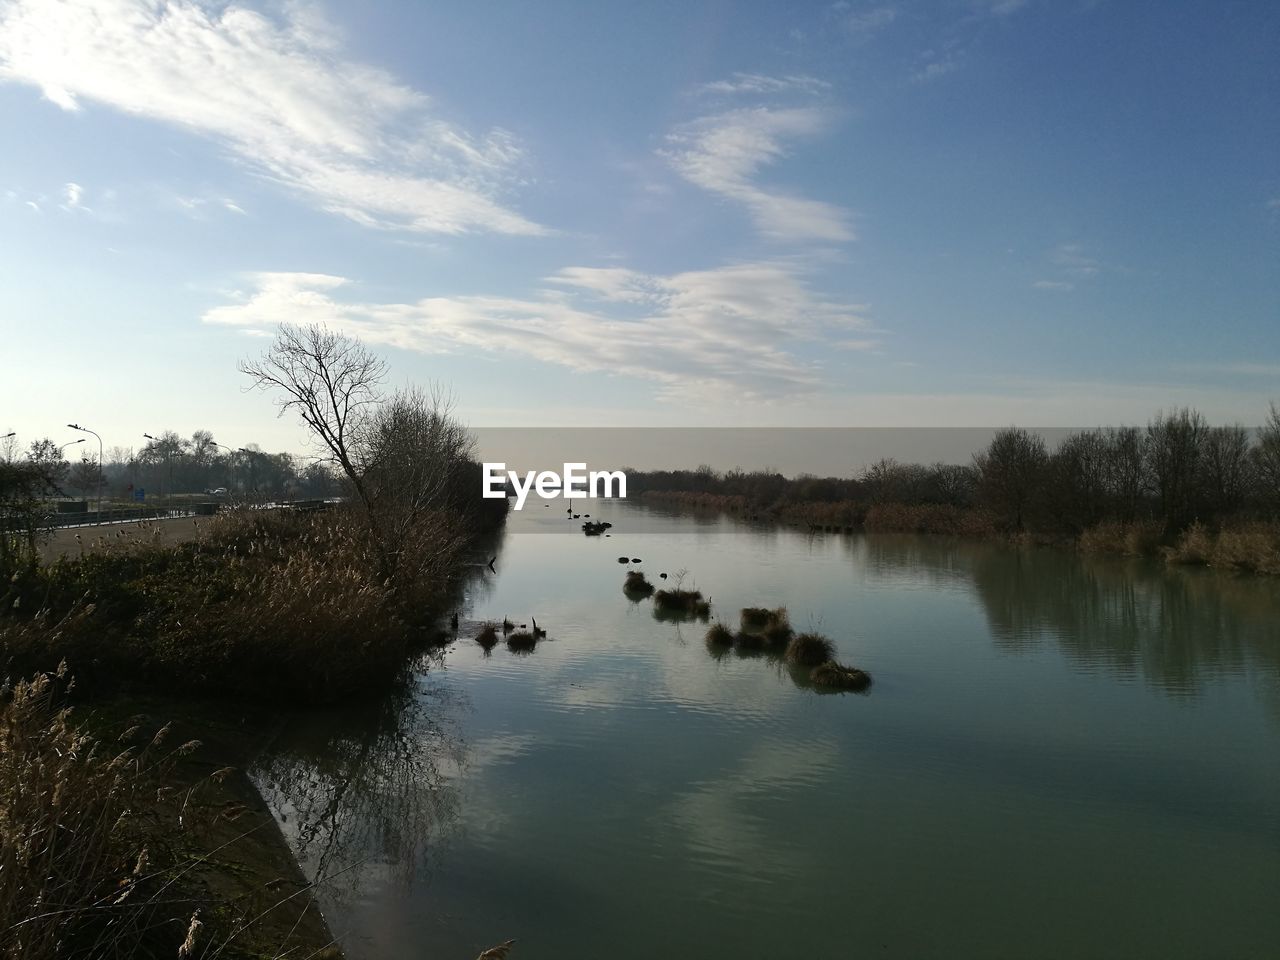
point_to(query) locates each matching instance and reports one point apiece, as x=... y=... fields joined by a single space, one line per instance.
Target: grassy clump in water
x=637 y=585
x=680 y=604
x=757 y=618
x=831 y=675
x=719 y=635
x=488 y=636
x=777 y=635
x=522 y=641
x=810 y=649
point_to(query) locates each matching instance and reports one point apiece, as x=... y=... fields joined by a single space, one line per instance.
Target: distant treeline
x=1128 y=489
x=171 y=464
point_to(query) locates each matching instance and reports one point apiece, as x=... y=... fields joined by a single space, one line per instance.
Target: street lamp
x=232 y=460
x=76 y=426
x=70 y=444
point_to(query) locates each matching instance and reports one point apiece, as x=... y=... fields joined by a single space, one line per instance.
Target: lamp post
x=231 y=460
x=71 y=443
x=76 y=426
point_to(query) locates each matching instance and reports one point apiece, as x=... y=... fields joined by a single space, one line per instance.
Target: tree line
x=1177 y=470
x=171 y=464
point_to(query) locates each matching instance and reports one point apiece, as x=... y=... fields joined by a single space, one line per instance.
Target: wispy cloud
x=725 y=153
x=934 y=64
x=198 y=206
x=279 y=95
x=755 y=83
x=733 y=330
x=1061 y=286
x=1072 y=258
x=862 y=24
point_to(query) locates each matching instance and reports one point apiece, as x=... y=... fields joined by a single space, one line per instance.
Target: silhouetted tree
x=1175 y=457
x=1011 y=472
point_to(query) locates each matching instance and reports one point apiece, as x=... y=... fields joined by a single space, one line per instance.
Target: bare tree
x=1126 y=471
x=1266 y=458
x=1175 y=457
x=1011 y=471
x=333 y=382
x=1227 y=467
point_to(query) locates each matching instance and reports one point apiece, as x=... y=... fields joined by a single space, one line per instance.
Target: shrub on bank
x=269 y=603
x=1133 y=539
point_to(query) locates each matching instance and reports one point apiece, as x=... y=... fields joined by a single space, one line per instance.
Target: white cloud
x=730 y=331
x=755 y=83
x=725 y=152
x=864 y=23
x=279 y=95
x=1059 y=285
x=935 y=64
x=72 y=194
x=1071 y=258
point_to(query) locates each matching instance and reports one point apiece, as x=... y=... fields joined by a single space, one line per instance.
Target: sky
x=954 y=213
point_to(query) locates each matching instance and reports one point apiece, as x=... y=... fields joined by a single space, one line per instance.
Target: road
x=72 y=540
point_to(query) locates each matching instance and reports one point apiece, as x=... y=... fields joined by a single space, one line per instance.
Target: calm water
x=1059 y=758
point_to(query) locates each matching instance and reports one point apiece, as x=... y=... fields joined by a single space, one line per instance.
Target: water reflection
x=1175 y=627
x=370 y=785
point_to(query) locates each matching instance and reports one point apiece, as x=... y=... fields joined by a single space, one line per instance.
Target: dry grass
x=1136 y=539
x=267 y=604
x=1246 y=548
x=810 y=649
x=85 y=856
x=830 y=675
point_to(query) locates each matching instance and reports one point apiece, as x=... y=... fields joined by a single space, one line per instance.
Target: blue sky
x=952 y=213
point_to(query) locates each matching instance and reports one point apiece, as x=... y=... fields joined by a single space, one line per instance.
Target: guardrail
x=118 y=515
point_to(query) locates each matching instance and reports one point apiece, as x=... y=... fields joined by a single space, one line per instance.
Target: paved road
x=72 y=540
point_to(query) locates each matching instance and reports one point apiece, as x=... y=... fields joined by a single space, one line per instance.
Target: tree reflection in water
x=1174 y=626
x=367 y=788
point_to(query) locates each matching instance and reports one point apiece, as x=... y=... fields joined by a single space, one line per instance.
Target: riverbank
x=240 y=615
x=1241 y=545
x=124 y=833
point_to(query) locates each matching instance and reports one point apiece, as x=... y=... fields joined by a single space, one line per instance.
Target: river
x=1059 y=757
